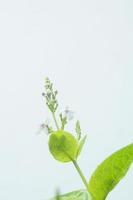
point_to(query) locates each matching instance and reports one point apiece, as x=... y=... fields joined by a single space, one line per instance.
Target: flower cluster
x=50 y=96
x=65 y=116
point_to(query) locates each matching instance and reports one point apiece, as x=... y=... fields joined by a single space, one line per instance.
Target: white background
x=86 y=48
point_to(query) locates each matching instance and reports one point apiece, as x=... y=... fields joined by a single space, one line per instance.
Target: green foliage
x=81 y=144
x=76 y=195
x=57 y=196
x=63 y=146
x=78 y=129
x=110 y=172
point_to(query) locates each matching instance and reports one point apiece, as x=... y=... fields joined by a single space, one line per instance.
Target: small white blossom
x=44 y=127
x=47 y=122
x=68 y=113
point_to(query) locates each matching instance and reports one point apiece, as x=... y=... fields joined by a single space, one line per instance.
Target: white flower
x=69 y=114
x=44 y=127
x=47 y=122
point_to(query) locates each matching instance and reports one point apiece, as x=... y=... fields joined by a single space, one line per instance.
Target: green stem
x=56 y=123
x=81 y=174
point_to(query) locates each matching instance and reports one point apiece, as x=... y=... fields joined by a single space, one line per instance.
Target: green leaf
x=76 y=195
x=110 y=172
x=63 y=146
x=81 y=144
x=78 y=130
